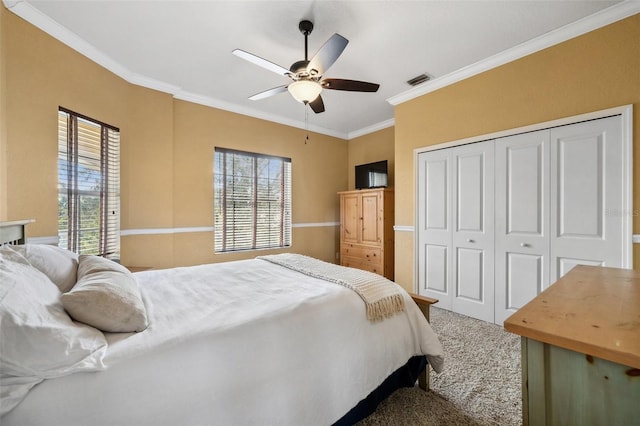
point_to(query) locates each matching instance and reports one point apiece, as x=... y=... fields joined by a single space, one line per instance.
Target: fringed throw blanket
x=381 y=296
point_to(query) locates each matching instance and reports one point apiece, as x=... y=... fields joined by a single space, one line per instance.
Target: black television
x=372 y=175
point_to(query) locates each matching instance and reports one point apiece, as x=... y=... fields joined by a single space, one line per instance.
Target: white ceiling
x=184 y=47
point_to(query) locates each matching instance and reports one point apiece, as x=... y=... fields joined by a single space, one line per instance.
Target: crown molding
x=10 y=3
x=63 y=34
x=592 y=22
x=227 y=106
x=370 y=129
x=607 y=16
x=151 y=83
x=32 y=15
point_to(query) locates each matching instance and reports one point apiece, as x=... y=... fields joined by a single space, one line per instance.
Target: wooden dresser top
x=591 y=310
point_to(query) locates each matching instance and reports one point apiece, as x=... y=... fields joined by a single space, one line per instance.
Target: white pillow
x=39 y=340
x=58 y=264
x=88 y=264
x=106 y=296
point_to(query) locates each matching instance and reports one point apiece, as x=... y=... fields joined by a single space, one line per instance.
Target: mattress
x=246 y=342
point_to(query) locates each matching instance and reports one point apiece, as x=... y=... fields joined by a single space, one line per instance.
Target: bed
x=261 y=341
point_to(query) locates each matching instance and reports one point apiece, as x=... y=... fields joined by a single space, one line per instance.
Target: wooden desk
x=581 y=349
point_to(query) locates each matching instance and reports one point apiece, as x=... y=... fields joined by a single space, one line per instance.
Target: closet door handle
x=525 y=245
x=470 y=240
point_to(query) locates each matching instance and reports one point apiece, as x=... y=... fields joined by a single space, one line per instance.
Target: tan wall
x=42 y=75
x=166 y=153
x=592 y=72
x=318 y=172
x=146 y=177
x=3 y=121
x=167 y=145
x=375 y=146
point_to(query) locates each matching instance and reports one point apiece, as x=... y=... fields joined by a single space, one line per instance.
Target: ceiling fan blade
x=327 y=55
x=317 y=105
x=268 y=93
x=350 y=85
x=257 y=60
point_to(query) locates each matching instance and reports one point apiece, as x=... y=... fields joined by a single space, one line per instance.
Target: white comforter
x=236 y=343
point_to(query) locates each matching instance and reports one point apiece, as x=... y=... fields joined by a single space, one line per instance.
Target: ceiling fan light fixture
x=305 y=91
x=307 y=75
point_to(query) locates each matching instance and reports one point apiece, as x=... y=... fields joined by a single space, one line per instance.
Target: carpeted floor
x=480 y=384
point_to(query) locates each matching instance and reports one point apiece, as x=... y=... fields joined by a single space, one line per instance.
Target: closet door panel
x=565 y=264
x=436 y=184
x=470 y=284
x=525 y=278
x=580 y=185
x=525 y=185
x=433 y=225
x=470 y=191
x=587 y=198
x=473 y=235
x=436 y=268
x=521 y=220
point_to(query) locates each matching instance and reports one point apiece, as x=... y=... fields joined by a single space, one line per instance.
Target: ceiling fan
x=307 y=74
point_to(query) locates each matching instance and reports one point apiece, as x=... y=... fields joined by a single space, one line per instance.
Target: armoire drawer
x=367 y=254
x=353 y=262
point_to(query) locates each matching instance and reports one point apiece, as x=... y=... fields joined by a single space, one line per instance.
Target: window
x=252 y=201
x=88 y=185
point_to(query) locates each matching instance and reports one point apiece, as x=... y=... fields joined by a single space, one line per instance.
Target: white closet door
x=587 y=195
x=472 y=208
x=521 y=220
x=559 y=200
x=433 y=226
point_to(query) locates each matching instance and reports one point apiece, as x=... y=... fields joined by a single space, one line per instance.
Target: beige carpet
x=480 y=384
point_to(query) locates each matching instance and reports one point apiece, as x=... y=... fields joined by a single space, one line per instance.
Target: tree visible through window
x=88 y=185
x=252 y=201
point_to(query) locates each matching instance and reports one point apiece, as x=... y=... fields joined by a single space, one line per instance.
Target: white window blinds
x=252 y=201
x=88 y=185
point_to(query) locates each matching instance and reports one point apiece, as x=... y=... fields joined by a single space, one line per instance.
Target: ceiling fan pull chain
x=306 y=122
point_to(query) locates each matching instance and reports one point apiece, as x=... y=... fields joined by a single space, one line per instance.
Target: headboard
x=13 y=232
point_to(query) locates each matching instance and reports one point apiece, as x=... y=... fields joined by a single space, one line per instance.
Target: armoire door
x=350 y=218
x=521 y=220
x=472 y=209
x=371 y=212
x=587 y=195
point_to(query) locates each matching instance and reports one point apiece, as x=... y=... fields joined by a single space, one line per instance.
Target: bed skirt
x=404 y=377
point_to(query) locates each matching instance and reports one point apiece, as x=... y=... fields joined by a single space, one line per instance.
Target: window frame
x=101 y=148
x=255 y=201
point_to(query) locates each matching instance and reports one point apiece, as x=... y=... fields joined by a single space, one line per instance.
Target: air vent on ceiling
x=419 y=79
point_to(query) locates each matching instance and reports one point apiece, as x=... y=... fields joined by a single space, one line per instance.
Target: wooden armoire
x=366 y=230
